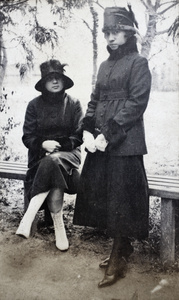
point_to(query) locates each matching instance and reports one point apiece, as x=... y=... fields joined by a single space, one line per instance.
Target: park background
x=161 y=125
x=75 y=48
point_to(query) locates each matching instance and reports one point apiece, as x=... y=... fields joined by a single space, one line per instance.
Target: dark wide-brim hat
x=119 y=18
x=53 y=67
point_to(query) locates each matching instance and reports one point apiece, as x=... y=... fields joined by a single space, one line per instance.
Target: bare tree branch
x=157 y=4
x=145 y=4
x=13 y=4
x=87 y=25
x=149 y=2
x=169 y=7
x=168 y=2
x=162 y=32
x=97 y=2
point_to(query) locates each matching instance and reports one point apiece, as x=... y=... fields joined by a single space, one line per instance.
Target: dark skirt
x=113 y=195
x=59 y=170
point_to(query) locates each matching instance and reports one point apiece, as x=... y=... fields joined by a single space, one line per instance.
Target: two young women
x=113 y=189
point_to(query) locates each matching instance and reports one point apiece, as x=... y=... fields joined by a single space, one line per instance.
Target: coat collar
x=53 y=98
x=129 y=47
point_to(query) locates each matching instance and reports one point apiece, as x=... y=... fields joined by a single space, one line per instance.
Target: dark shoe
x=104 y=263
x=108 y=280
x=128 y=251
x=118 y=273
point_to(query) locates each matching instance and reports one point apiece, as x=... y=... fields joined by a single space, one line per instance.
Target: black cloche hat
x=53 y=67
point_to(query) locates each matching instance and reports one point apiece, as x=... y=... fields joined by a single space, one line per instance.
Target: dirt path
x=35 y=269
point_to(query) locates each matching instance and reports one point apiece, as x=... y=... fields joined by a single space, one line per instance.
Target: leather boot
x=29 y=216
x=117 y=273
x=60 y=233
x=117 y=264
x=125 y=252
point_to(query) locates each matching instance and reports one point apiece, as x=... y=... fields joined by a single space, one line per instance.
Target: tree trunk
x=3 y=60
x=149 y=36
x=95 y=44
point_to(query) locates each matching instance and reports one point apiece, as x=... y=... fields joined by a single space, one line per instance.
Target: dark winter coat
x=113 y=190
x=52 y=119
x=119 y=101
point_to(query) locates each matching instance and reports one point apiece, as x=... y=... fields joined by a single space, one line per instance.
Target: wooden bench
x=165 y=187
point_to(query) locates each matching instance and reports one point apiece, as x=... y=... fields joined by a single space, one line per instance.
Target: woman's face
x=54 y=84
x=115 y=38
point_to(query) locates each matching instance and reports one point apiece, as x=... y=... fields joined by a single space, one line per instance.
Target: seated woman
x=52 y=134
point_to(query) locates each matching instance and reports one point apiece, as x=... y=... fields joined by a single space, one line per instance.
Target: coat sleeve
x=30 y=138
x=74 y=140
x=139 y=86
x=76 y=135
x=89 y=119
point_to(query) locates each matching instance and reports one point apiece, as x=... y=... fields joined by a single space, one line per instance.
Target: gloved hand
x=101 y=142
x=115 y=134
x=89 y=141
x=50 y=145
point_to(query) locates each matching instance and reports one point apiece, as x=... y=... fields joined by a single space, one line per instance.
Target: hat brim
x=68 y=83
x=120 y=27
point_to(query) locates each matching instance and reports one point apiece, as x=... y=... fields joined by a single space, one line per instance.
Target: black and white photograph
x=89 y=150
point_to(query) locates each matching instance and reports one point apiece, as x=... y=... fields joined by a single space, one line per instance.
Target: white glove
x=101 y=142
x=50 y=145
x=89 y=141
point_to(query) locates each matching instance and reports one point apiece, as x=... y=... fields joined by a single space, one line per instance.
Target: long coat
x=121 y=95
x=113 y=193
x=52 y=117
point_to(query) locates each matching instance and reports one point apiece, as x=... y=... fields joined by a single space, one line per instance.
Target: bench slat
x=165 y=187
x=162 y=181
x=163 y=177
x=9 y=169
x=159 y=185
x=158 y=192
x=19 y=176
x=12 y=165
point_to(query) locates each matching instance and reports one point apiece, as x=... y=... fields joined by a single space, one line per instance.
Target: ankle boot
x=26 y=222
x=60 y=233
x=112 y=274
x=126 y=251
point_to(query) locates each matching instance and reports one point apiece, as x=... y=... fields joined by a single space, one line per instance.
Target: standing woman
x=51 y=132
x=113 y=192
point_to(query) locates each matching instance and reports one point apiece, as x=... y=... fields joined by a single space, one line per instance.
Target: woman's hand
x=101 y=142
x=51 y=145
x=89 y=142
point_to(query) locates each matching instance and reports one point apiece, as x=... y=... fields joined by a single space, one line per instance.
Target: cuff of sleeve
x=88 y=124
x=66 y=143
x=115 y=134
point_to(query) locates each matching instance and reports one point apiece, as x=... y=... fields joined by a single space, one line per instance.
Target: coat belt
x=108 y=96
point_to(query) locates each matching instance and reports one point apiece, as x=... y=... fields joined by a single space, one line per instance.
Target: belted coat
x=121 y=95
x=113 y=193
